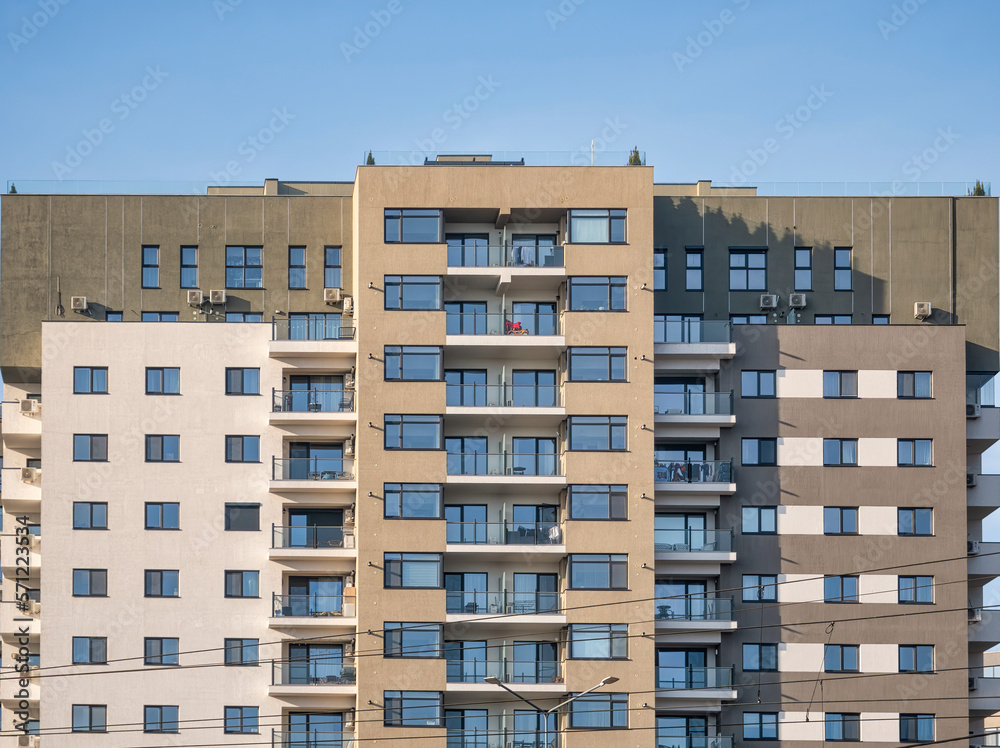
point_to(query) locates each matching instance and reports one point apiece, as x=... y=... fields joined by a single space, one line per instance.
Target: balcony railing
x=310 y=329
x=312 y=739
x=312 y=401
x=503 y=395
x=311 y=468
x=693 y=741
x=482 y=256
x=504 y=533
x=508 y=671
x=300 y=606
x=691 y=331
x=680 y=678
x=502 y=323
x=694 y=471
x=317 y=672
x=307 y=537
x=693 y=541
x=695 y=608
x=501 y=738
x=693 y=403
x=485 y=463
x=504 y=602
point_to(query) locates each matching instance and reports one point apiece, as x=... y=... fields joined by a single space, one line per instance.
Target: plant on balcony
x=979 y=190
x=370 y=161
x=634 y=159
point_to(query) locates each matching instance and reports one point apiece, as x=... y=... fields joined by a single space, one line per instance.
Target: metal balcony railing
x=504 y=533
x=694 y=471
x=485 y=463
x=312 y=401
x=502 y=323
x=316 y=672
x=508 y=671
x=312 y=739
x=299 y=606
x=503 y=602
x=682 y=678
x=312 y=468
x=481 y=256
x=310 y=329
x=500 y=738
x=695 y=608
x=693 y=403
x=664 y=740
x=503 y=395
x=693 y=541
x=690 y=331
x=307 y=537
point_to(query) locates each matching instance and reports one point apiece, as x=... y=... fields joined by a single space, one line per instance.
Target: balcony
x=306 y=407
x=665 y=740
x=541 y=402
x=313 y=338
x=522 y=469
x=312 y=739
x=983 y=562
x=501 y=738
x=695 y=682
x=493 y=537
x=984 y=497
x=984 y=629
x=507 y=671
x=703 y=612
x=483 y=333
x=982 y=431
x=312 y=474
x=693 y=415
x=313 y=612
x=687 y=344
x=19 y=560
x=493 y=256
x=312 y=673
x=695 y=476
x=984 y=693
x=504 y=602
x=21 y=495
x=22 y=423
x=317 y=544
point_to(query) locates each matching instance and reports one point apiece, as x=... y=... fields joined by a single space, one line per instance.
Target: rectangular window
x=758 y=383
x=159 y=719
x=803 y=269
x=760 y=725
x=413 y=709
x=916 y=590
x=840 y=520
x=840 y=589
x=597 y=433
x=160 y=651
x=242 y=584
x=832 y=319
x=843 y=452
x=162 y=583
x=597 y=364
x=840 y=658
x=242 y=719
x=418 y=570
x=163 y=380
x=157 y=317
x=413 y=639
x=414 y=226
x=90 y=515
x=758 y=451
x=599 y=710
x=916 y=658
x=760 y=657
x=748 y=319
x=189 y=267
x=163 y=515
x=90 y=447
x=842 y=726
x=331 y=268
x=414 y=432
x=413 y=500
x=413 y=292
x=150 y=266
x=760 y=588
x=694 y=260
x=296 y=267
x=842 y=269
x=413 y=363
x=840 y=384
x=90 y=718
x=747 y=270
x=242 y=449
x=242 y=651
x=914 y=452
x=90 y=582
x=880 y=319
x=597 y=294
x=242 y=517
x=240 y=381
x=760 y=520
x=597 y=226
x=659 y=269
x=598 y=502
x=598 y=571
x=110 y=316
x=163 y=448
x=916 y=728
x=598 y=641
x=915 y=521
x=90 y=650
x=244 y=267
x=244 y=316
x=913 y=384
x=90 y=380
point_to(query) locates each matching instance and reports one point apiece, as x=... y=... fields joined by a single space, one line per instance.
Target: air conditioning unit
x=78 y=303
x=348 y=305
x=971 y=479
x=349 y=448
x=217 y=297
x=349 y=516
x=331 y=295
x=797 y=300
x=349 y=381
x=973 y=410
x=973 y=683
x=34 y=541
x=195 y=298
x=29 y=405
x=769 y=301
x=30 y=474
x=34 y=608
x=975 y=615
x=28 y=741
x=972 y=547
x=921 y=310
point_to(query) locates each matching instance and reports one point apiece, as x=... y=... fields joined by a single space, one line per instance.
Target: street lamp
x=494 y=681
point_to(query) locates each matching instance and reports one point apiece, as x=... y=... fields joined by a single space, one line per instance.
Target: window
x=241 y=651
x=241 y=719
x=244 y=267
x=916 y=658
x=90 y=447
x=598 y=641
x=189 y=267
x=597 y=226
x=593 y=571
x=915 y=521
x=157 y=317
x=803 y=269
x=598 y=502
x=162 y=583
x=163 y=380
x=842 y=269
x=747 y=270
x=161 y=651
x=842 y=726
x=413 y=709
x=159 y=719
x=296 y=267
x=163 y=515
x=832 y=319
x=242 y=381
x=331 y=267
x=840 y=658
x=840 y=384
x=413 y=500
x=163 y=448
x=413 y=639
x=413 y=363
x=758 y=657
x=916 y=590
x=90 y=718
x=694 y=260
x=597 y=294
x=242 y=517
x=914 y=452
x=758 y=383
x=760 y=520
x=244 y=316
x=840 y=520
x=760 y=725
x=880 y=319
x=91 y=650
x=597 y=364
x=110 y=316
x=242 y=449
x=840 y=589
x=840 y=452
x=659 y=269
x=150 y=267
x=597 y=433
x=757 y=451
x=90 y=380
x=413 y=432
x=677 y=328
x=748 y=319
x=420 y=570
x=90 y=515
x=760 y=588
x=413 y=292
x=916 y=728
x=242 y=584
x=414 y=226
x=599 y=710
x=913 y=384
x=90 y=582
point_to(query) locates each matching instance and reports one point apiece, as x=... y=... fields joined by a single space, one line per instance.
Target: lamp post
x=493 y=680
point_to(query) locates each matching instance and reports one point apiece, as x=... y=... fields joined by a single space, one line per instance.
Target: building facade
x=475 y=439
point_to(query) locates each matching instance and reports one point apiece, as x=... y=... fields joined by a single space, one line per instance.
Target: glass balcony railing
x=312 y=739
x=307 y=537
x=312 y=673
x=690 y=331
x=693 y=541
x=482 y=256
x=298 y=606
x=503 y=395
x=484 y=463
x=695 y=608
x=310 y=329
x=312 y=468
x=694 y=471
x=502 y=323
x=664 y=740
x=693 y=403
x=501 y=738
x=504 y=533
x=505 y=602
x=508 y=671
x=312 y=401
x=681 y=678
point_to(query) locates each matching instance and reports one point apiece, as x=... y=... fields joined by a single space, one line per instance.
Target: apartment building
x=489 y=454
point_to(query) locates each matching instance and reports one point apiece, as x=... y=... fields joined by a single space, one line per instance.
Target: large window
x=163 y=448
x=842 y=452
x=242 y=584
x=413 y=709
x=413 y=500
x=331 y=267
x=90 y=582
x=598 y=641
x=597 y=226
x=90 y=380
x=296 y=267
x=840 y=520
x=242 y=449
x=913 y=384
x=803 y=269
x=843 y=726
x=413 y=432
x=90 y=718
x=916 y=728
x=163 y=380
x=748 y=319
x=694 y=271
x=413 y=363
x=842 y=269
x=914 y=452
x=242 y=381
x=414 y=226
x=840 y=589
x=832 y=319
x=597 y=433
x=244 y=267
x=598 y=502
x=595 y=571
x=840 y=658
x=659 y=269
x=162 y=583
x=189 y=267
x=413 y=639
x=916 y=658
x=916 y=590
x=242 y=517
x=161 y=651
x=242 y=719
x=90 y=650
x=241 y=651
x=413 y=292
x=159 y=719
x=747 y=270
x=757 y=383
x=163 y=515
x=760 y=725
x=597 y=293
x=90 y=447
x=419 y=570
x=760 y=520
x=840 y=384
x=915 y=521
x=760 y=657
x=156 y=317
x=760 y=451
x=90 y=515
x=244 y=316
x=599 y=710
x=150 y=267
x=597 y=364
x=760 y=588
